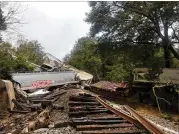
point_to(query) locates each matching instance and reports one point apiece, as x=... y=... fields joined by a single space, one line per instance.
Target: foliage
x=166 y=116
x=31 y=51
x=128 y=35
x=11 y=18
x=117 y=73
x=4 y=74
x=136 y=23
x=17 y=59
x=84 y=56
x=6 y=61
x=2 y=22
x=66 y=58
x=175 y=62
x=108 y=63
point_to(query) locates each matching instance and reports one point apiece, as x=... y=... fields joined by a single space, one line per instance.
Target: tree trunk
x=166 y=45
x=167 y=56
x=103 y=70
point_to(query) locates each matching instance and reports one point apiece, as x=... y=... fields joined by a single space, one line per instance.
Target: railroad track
x=92 y=115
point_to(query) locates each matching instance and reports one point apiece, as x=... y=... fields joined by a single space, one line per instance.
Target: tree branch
x=157 y=44
x=156 y=25
x=174 y=32
x=176 y=55
x=131 y=9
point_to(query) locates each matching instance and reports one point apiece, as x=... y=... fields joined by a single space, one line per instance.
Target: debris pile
x=25 y=112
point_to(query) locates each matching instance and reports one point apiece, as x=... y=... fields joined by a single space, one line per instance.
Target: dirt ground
x=146 y=108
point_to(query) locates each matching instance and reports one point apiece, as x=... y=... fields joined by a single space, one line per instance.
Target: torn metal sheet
x=81 y=75
x=110 y=86
x=38 y=92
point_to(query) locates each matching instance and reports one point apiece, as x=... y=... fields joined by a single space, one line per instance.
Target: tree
x=6 y=59
x=2 y=23
x=11 y=17
x=66 y=59
x=106 y=63
x=84 y=56
x=31 y=51
x=137 y=23
x=10 y=63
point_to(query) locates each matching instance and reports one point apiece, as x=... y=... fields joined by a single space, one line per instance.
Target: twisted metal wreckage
x=28 y=91
x=51 y=74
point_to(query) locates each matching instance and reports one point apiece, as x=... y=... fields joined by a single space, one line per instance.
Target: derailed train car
x=30 y=81
x=53 y=72
x=157 y=86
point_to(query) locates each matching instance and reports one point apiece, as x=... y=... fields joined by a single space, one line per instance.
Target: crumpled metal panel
x=110 y=86
x=83 y=76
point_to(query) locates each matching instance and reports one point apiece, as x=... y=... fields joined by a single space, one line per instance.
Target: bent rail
x=135 y=118
x=149 y=126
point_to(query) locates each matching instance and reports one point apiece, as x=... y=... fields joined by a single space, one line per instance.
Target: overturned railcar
x=157 y=86
x=29 y=81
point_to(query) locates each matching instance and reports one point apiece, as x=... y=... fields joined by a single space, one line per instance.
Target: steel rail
x=148 y=125
x=119 y=113
x=137 y=120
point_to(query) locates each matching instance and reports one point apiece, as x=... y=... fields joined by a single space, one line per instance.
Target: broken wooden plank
x=99 y=127
x=71 y=109
x=18 y=111
x=32 y=107
x=112 y=132
x=83 y=103
x=90 y=122
x=72 y=98
x=62 y=124
x=50 y=96
x=88 y=112
x=99 y=118
x=41 y=101
x=55 y=99
x=58 y=107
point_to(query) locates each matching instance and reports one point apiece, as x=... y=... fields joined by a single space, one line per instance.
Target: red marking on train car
x=41 y=84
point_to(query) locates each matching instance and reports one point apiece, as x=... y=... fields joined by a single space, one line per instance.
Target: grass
x=166 y=116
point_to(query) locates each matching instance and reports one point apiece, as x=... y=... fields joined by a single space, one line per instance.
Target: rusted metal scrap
x=110 y=86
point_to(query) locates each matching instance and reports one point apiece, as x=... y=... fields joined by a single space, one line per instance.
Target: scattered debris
x=42 y=102
x=41 y=121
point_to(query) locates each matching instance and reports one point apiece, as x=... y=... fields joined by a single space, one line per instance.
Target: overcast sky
x=56 y=25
